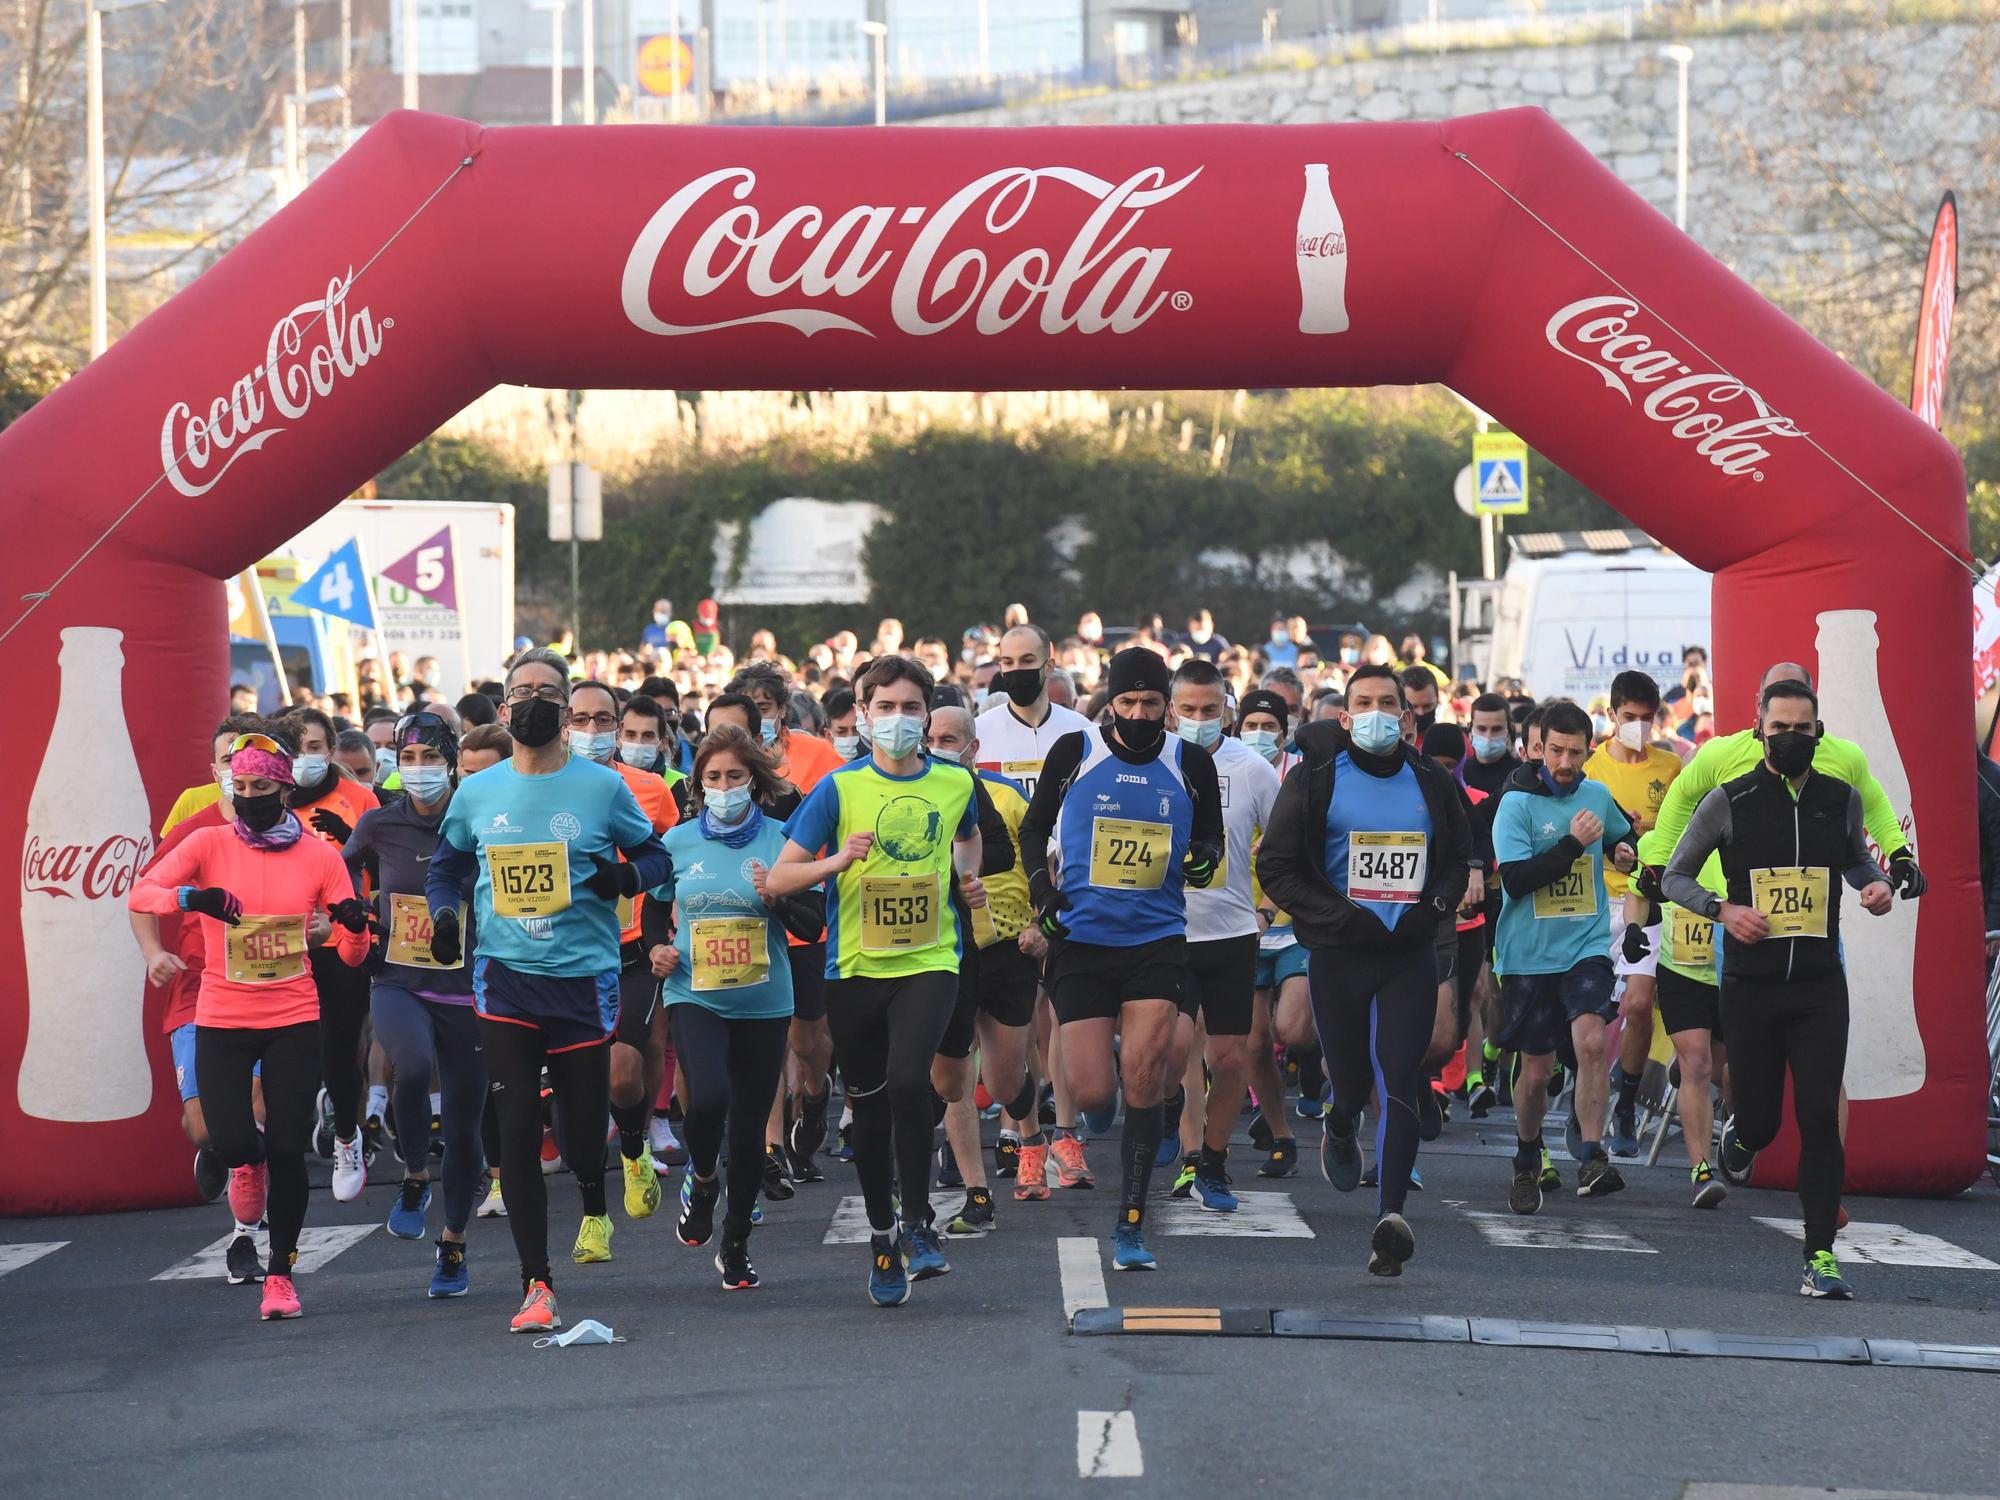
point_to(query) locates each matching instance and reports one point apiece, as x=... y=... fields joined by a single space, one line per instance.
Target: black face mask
x=1022 y=686
x=1140 y=736
x=536 y=722
x=1425 y=720
x=1791 y=753
x=260 y=814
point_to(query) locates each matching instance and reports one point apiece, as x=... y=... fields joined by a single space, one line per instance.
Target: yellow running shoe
x=642 y=1187
x=593 y=1239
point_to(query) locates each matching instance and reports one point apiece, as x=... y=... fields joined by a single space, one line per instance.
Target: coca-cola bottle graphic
x=1885 y=1050
x=88 y=836
x=1322 y=250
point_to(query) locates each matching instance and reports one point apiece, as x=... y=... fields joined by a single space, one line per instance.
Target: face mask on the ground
x=847 y=746
x=897 y=734
x=589 y=1331
x=638 y=755
x=1139 y=735
x=1632 y=734
x=535 y=723
x=260 y=814
x=1489 y=748
x=728 y=803
x=1791 y=753
x=592 y=746
x=385 y=764
x=1022 y=686
x=1376 y=733
x=1263 y=741
x=1202 y=732
x=426 y=783
x=309 y=770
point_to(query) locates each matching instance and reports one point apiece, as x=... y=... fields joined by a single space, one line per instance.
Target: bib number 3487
x=1386 y=866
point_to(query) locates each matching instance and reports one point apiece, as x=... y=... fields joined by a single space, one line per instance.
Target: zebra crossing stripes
x=317 y=1246
x=13 y=1257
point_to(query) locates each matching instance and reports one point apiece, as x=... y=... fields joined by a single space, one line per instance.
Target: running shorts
x=1687 y=1004
x=999 y=981
x=1276 y=965
x=1090 y=981
x=570 y=1012
x=1222 y=982
x=1540 y=1008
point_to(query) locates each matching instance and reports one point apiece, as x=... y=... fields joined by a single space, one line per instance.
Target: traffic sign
x=1500 y=465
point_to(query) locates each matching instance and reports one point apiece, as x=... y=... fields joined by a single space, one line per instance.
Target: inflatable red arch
x=436 y=259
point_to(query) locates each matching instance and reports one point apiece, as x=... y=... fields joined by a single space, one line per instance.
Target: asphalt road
x=114 y=1382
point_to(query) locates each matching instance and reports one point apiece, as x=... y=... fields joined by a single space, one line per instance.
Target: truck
x=1574 y=609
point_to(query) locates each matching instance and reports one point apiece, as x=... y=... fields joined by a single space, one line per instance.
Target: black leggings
x=886 y=1031
x=732 y=1068
x=1770 y=1024
x=581 y=1077
x=1374 y=1009
x=421 y=1035
x=343 y=1006
x=223 y=1058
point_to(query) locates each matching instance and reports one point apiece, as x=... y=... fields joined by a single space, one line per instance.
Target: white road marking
x=850 y=1223
x=1107 y=1446
x=1082 y=1267
x=1261 y=1216
x=316 y=1248
x=13 y=1257
x=1890 y=1245
x=1533 y=1232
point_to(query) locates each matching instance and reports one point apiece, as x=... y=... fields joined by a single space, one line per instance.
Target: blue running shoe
x=843 y=1148
x=1823 y=1279
x=1623 y=1139
x=926 y=1257
x=406 y=1219
x=1309 y=1109
x=888 y=1275
x=1340 y=1160
x=450 y=1279
x=1168 y=1149
x=1213 y=1193
x=1099 y=1122
x=1129 y=1252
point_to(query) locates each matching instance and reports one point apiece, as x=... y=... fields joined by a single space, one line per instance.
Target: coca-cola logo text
x=311 y=349
x=1597 y=331
x=1316 y=246
x=92 y=873
x=1094 y=282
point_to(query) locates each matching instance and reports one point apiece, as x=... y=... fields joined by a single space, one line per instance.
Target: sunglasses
x=419 y=723
x=258 y=742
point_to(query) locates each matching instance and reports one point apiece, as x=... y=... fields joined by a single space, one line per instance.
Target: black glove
x=611 y=879
x=446 y=946
x=334 y=826
x=1199 y=864
x=1647 y=883
x=1049 y=915
x=1904 y=875
x=353 y=913
x=1636 y=946
x=1417 y=927
x=212 y=901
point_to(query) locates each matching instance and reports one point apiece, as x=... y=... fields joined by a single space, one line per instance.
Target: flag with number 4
x=428 y=570
x=340 y=587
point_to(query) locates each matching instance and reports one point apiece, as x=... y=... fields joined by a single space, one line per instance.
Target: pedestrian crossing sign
x=1500 y=467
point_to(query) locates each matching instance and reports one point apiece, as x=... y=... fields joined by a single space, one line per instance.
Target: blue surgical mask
x=1278 y=634
x=847 y=746
x=1489 y=747
x=638 y=755
x=427 y=784
x=592 y=746
x=1349 y=656
x=385 y=763
x=589 y=1331
x=1202 y=732
x=226 y=784
x=897 y=734
x=729 y=804
x=1376 y=733
x=1263 y=741
x=309 y=770
x=767 y=730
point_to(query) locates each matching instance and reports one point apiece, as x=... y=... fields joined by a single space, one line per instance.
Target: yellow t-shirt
x=195 y=799
x=1639 y=789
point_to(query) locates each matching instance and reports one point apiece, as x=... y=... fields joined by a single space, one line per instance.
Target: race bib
x=1574 y=895
x=265 y=950
x=1691 y=939
x=1128 y=856
x=528 y=880
x=899 y=913
x=1793 y=899
x=729 y=953
x=410 y=934
x=627 y=905
x=1386 y=866
x=1025 y=772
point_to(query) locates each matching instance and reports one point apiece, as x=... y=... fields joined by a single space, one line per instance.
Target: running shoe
x=374 y=1136
x=642 y=1186
x=733 y=1261
x=1128 y=1250
x=1597 y=1178
x=1340 y=1160
x=1283 y=1160
x=948 y=1175
x=1371 y=1176
x=1170 y=1127
x=437 y=1139
x=1261 y=1135
x=1430 y=1113
x=803 y=1169
x=249 y=1191
x=1558 y=1080
x=538 y=1310
x=1624 y=1137
x=1167 y=1150
x=350 y=1169
x=1099 y=1121
x=664 y=1144
x=1213 y=1194
x=323 y=1126
x=281 y=1299
x=552 y=1161
x=1481 y=1100
x=777 y=1186
x=1184 y=1179
x=888 y=1275
x=926 y=1254
x=406 y=1215
x=1524 y=1194
x=844 y=1148
x=1822 y=1278
x=1390 y=1246
x=1032 y=1180
x=450 y=1278
x=1072 y=1171
x=593 y=1240
x=1736 y=1162
x=1309 y=1108
x=1708 y=1189
x=493 y=1205
x=697 y=1221
x=1573 y=1136
x=242 y=1261
x=1045 y=1110
x=210 y=1175
x=974 y=1217
x=1552 y=1179
x=1006 y=1155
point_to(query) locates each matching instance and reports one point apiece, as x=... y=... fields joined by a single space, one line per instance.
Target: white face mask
x=1632 y=734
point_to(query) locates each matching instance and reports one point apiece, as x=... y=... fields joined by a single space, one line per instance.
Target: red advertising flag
x=1934 y=319
x=428 y=568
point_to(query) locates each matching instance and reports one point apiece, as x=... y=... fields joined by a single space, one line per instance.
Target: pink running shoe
x=280 y=1300
x=249 y=1187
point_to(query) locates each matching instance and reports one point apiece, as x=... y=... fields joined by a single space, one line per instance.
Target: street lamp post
x=409 y=54
x=1681 y=56
x=93 y=46
x=879 y=30
x=555 y=10
x=295 y=108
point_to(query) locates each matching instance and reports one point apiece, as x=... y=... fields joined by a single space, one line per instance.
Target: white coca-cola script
x=312 y=348
x=1091 y=280
x=1597 y=331
x=84 y=871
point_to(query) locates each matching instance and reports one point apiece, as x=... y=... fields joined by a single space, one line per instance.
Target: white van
x=1577 y=608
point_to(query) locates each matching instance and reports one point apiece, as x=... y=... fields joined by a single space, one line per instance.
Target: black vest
x=1771 y=830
